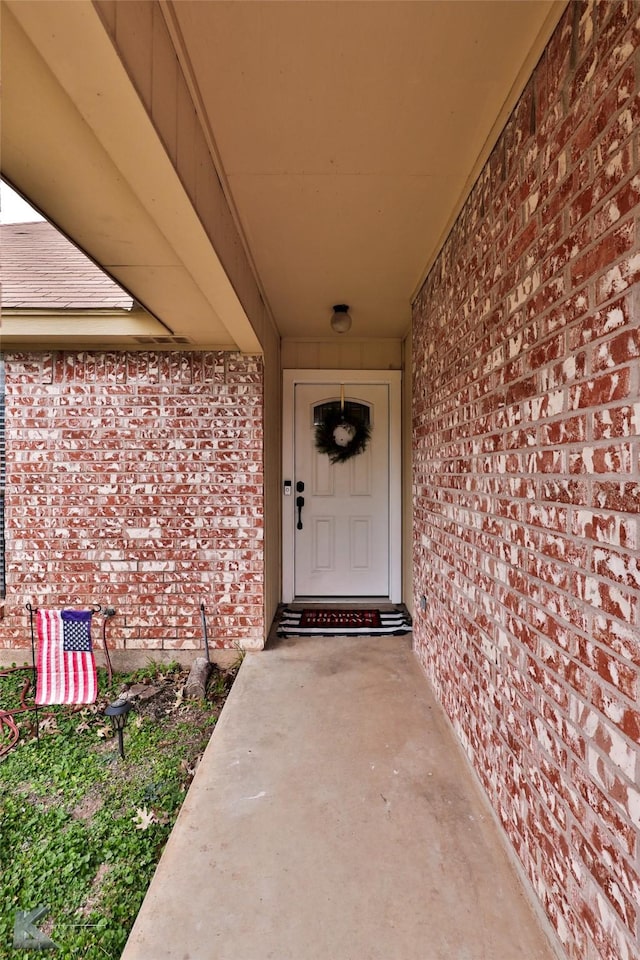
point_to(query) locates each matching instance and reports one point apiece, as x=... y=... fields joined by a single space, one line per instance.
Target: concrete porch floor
x=333 y=817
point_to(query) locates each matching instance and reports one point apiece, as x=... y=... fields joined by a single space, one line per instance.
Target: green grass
x=81 y=830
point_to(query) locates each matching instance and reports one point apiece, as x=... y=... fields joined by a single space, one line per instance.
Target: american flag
x=66 y=666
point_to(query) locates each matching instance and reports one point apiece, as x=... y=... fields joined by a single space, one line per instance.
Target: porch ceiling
x=346 y=136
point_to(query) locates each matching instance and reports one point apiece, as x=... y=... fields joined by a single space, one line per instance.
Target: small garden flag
x=66 y=666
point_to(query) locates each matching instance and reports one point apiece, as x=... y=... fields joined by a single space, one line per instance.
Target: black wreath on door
x=342 y=430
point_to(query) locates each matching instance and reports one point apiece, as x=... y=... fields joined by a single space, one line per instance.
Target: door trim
x=393 y=378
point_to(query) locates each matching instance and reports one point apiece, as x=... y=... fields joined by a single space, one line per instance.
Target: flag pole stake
x=35 y=672
x=203 y=617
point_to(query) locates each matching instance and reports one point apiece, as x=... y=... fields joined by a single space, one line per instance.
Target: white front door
x=341 y=535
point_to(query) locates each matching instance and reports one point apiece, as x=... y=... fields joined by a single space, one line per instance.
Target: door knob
x=299 y=505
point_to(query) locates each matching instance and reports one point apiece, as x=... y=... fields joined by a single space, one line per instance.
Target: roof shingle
x=41 y=269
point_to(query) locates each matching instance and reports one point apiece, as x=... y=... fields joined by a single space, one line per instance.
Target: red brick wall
x=136 y=480
x=526 y=422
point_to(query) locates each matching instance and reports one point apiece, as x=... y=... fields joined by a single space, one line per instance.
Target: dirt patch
x=159 y=697
x=93 y=897
x=88 y=806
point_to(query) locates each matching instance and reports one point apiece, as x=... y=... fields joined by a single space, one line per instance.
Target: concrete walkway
x=333 y=818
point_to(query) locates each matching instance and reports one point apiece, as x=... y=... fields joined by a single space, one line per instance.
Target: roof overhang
x=84 y=330
x=75 y=133
x=342 y=140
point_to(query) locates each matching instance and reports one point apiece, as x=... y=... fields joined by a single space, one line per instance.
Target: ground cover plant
x=81 y=829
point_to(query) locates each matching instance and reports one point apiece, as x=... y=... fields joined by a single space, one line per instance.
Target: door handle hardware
x=300 y=486
x=299 y=505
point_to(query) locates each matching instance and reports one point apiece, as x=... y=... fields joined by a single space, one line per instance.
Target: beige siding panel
x=107 y=11
x=164 y=82
x=383 y=355
x=342 y=355
x=350 y=354
x=134 y=31
x=206 y=198
x=192 y=154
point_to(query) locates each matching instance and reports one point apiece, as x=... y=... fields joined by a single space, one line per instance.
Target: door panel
x=343 y=546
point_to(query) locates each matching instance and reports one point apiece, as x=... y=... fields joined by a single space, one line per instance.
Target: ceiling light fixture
x=341 y=319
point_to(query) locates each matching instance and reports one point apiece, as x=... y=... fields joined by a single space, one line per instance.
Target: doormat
x=336 y=622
